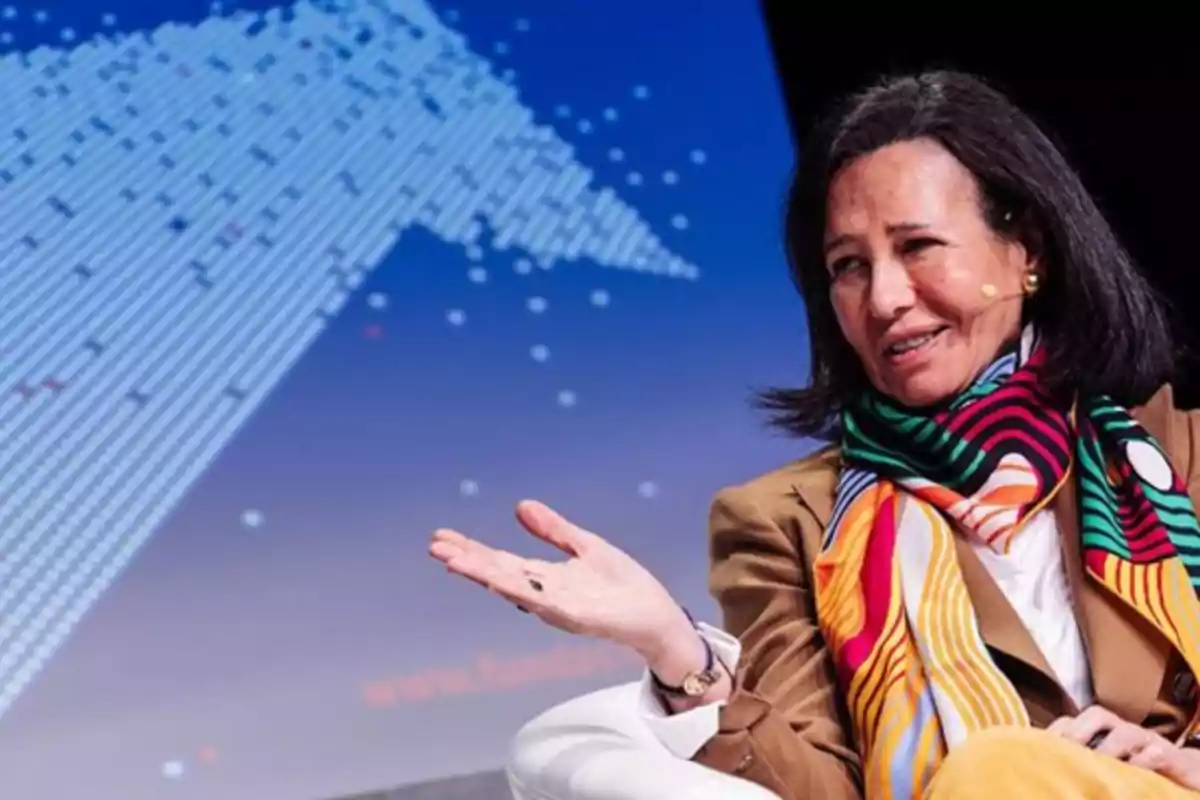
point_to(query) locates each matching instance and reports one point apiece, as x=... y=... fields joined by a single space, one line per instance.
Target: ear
x=1027 y=246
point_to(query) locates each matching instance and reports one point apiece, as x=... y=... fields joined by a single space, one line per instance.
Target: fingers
x=451 y=548
x=463 y=555
x=1103 y=731
x=498 y=571
x=448 y=544
x=540 y=520
x=550 y=526
x=1124 y=741
x=1159 y=755
x=1083 y=728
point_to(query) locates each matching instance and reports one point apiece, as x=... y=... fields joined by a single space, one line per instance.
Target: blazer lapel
x=1128 y=656
x=999 y=625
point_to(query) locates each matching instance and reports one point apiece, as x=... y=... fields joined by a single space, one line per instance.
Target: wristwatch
x=695 y=684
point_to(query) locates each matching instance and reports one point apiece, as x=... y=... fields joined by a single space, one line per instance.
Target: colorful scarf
x=892 y=604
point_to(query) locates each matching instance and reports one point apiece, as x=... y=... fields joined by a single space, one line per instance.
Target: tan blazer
x=785 y=726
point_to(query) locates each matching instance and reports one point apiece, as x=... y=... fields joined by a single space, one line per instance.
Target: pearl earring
x=1031 y=283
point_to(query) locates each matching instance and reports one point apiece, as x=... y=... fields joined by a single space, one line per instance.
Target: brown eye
x=842 y=265
x=919 y=245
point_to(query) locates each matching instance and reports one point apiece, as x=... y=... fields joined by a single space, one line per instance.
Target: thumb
x=552 y=527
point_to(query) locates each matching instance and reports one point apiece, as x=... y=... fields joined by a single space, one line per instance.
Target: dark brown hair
x=1106 y=330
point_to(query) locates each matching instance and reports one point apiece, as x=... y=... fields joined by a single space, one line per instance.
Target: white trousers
x=597 y=747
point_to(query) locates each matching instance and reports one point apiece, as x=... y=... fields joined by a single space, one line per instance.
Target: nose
x=891 y=290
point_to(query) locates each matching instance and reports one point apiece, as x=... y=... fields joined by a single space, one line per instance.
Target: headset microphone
x=990 y=292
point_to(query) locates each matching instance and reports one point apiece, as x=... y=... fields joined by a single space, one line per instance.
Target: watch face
x=698 y=683
x=693 y=685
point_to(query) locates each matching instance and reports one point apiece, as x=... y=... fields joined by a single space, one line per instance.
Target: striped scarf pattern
x=891 y=600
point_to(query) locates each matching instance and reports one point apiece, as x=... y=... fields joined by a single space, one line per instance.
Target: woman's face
x=924 y=291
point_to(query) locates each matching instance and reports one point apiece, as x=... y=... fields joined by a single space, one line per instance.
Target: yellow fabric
x=1031 y=764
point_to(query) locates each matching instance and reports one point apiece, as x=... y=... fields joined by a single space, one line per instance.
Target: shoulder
x=762 y=532
x=798 y=493
x=1176 y=429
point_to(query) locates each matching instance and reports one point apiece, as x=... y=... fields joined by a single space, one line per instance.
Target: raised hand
x=597 y=591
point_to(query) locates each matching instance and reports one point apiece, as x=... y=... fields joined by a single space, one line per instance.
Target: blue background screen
x=283 y=289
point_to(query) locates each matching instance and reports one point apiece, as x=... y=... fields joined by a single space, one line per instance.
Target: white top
x=1032 y=577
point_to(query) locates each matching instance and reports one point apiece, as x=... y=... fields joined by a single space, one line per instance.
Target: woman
x=989 y=588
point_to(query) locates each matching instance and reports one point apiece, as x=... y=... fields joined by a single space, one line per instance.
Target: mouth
x=912 y=346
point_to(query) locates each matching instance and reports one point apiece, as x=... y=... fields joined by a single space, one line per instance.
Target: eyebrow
x=892 y=230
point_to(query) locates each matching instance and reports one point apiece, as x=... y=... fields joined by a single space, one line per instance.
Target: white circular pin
x=1149 y=463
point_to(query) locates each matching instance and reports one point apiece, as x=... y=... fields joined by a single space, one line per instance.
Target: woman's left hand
x=1132 y=744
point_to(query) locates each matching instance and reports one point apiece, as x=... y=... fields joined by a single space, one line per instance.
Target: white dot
x=377 y=300
x=523 y=266
x=468 y=488
x=634 y=178
x=456 y=316
x=521 y=24
x=563 y=111
x=40 y=16
x=536 y=304
x=585 y=126
x=67 y=34
x=452 y=15
x=567 y=398
x=509 y=75
x=474 y=252
x=699 y=157
x=9 y=12
x=173 y=770
x=1149 y=463
x=670 y=177
x=600 y=298
x=501 y=48
x=611 y=114
x=648 y=489
x=679 y=222
x=616 y=154
x=108 y=19
x=641 y=92
x=252 y=518
x=6 y=37
x=539 y=353
x=477 y=275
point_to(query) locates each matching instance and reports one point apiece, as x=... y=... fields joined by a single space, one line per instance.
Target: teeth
x=910 y=344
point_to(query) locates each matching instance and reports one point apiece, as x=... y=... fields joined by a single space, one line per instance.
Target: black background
x=1121 y=106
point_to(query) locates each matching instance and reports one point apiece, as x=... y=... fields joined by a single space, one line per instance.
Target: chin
x=921 y=391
